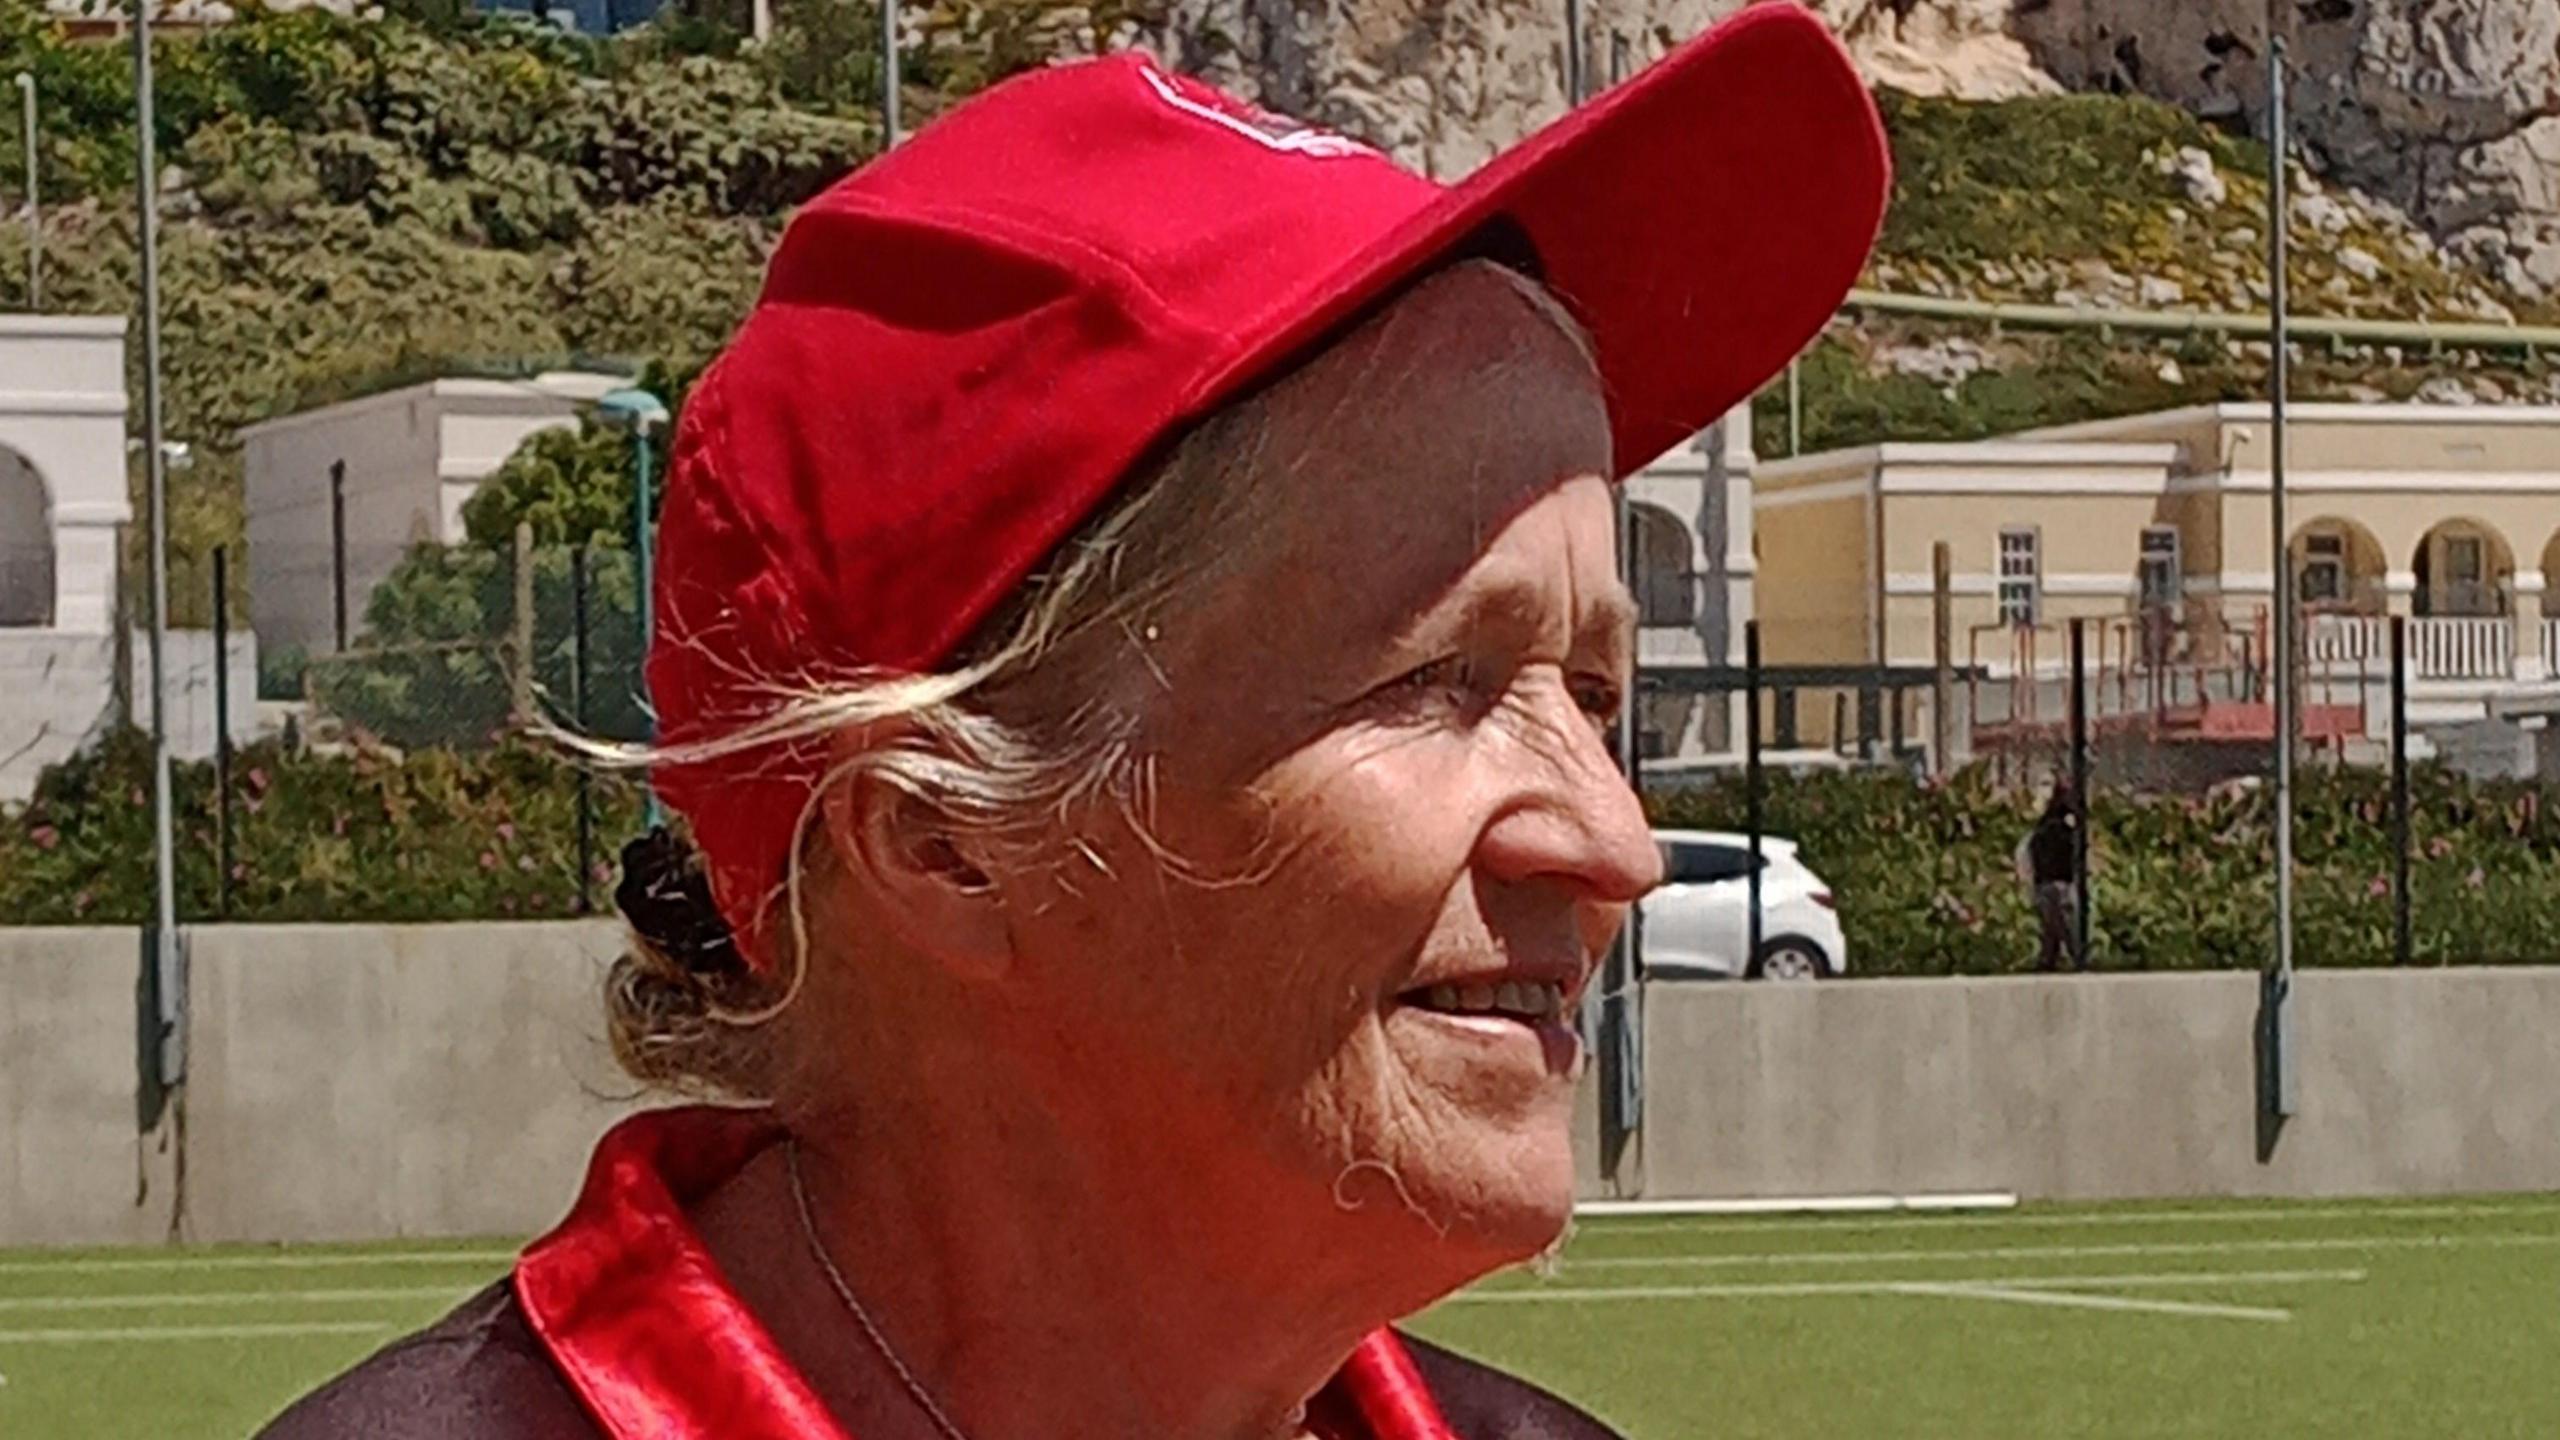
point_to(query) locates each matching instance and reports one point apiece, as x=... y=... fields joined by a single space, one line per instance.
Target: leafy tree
x=437 y=664
x=572 y=485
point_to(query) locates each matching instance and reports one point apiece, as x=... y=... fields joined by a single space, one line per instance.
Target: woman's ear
x=916 y=876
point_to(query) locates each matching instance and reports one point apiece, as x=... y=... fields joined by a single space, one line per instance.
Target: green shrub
x=435 y=666
x=437 y=835
x=1925 y=885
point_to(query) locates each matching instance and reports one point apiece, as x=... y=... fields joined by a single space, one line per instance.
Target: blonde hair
x=1035 y=725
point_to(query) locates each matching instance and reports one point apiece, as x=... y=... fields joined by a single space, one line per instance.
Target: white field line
x=280 y=1260
x=2067 y=1300
x=194 y=1332
x=2128 y=1218
x=2306 y=1244
x=2173 y=1279
x=212 y=1298
x=1810 y=1289
x=1802 y=1205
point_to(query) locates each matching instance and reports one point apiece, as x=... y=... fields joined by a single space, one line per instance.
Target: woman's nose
x=1577 y=821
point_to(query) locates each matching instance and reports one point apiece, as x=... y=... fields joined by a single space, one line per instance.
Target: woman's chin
x=1502 y=1201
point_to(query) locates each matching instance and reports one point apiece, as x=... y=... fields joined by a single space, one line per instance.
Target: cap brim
x=1702 y=220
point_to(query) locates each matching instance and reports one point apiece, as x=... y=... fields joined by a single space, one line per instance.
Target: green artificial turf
x=2366 y=1319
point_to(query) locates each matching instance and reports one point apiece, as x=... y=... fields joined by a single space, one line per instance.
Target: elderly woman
x=1139 y=626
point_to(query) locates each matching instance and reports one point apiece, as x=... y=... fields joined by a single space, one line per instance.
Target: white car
x=1698 y=925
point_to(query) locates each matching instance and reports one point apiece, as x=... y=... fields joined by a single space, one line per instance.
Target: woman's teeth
x=1526 y=1000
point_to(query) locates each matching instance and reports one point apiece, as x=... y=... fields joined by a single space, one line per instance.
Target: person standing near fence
x=2049 y=861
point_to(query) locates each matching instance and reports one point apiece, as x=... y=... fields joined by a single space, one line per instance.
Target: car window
x=1690 y=862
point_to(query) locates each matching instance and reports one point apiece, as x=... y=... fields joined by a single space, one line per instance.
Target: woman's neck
x=1024 y=1272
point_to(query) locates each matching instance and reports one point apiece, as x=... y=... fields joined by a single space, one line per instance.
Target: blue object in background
x=587 y=17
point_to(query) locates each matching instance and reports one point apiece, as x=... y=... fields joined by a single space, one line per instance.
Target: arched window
x=26 y=545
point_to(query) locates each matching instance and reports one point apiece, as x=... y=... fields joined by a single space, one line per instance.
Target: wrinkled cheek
x=1363 y=1104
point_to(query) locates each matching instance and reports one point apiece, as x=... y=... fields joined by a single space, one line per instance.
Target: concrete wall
x=362 y=1082
x=354 y=1082
x=2103 y=1087
x=72 y=1169
x=56 y=690
x=346 y=1082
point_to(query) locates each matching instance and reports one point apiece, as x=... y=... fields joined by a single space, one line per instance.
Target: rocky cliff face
x=1445 y=83
x=2447 y=109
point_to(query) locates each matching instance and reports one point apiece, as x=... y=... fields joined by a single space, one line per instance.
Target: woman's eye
x=1599 y=696
x=1447 y=684
x=1451 y=675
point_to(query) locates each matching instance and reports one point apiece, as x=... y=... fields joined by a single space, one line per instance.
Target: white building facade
x=337 y=495
x=64 y=501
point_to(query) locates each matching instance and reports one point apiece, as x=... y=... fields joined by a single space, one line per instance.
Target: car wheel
x=1790 y=960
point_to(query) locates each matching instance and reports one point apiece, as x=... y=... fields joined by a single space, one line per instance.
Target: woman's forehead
x=1436 y=422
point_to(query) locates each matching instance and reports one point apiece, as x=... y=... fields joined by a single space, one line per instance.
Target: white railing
x=2462 y=648
x=2348 y=642
x=2551 y=646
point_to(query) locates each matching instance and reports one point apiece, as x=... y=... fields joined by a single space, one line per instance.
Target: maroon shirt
x=619 y=1326
x=480 y=1374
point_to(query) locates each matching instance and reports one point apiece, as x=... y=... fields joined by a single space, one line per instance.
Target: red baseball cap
x=962 y=348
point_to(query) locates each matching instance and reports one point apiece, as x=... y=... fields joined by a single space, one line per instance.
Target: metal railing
x=2337 y=329
x=2347 y=642
x=2444 y=647
x=2464 y=648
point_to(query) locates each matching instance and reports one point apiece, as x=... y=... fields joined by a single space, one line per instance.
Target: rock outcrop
x=2448 y=110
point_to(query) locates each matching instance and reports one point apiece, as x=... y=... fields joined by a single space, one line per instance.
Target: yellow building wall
x=2525 y=529
x=2091 y=550
x=1812 y=596
x=1813 y=583
x=2481 y=443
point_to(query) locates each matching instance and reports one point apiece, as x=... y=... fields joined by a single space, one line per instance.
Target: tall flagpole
x=2277 y=1095
x=2279 y=381
x=888 y=73
x=166 y=960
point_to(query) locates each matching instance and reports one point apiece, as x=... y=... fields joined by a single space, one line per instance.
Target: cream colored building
x=338 y=494
x=2156 y=530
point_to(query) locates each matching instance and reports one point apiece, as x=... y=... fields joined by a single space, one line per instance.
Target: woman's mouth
x=1503 y=1013
x=1527 y=1001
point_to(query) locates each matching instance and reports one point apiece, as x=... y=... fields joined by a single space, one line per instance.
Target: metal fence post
x=221 y=732
x=338 y=550
x=35 y=197
x=1942 y=650
x=578 y=717
x=1795 y=408
x=1754 y=820
x=2400 y=899
x=520 y=629
x=2080 y=793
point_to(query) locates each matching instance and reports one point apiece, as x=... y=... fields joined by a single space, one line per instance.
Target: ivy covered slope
x=352 y=204
x=2102 y=201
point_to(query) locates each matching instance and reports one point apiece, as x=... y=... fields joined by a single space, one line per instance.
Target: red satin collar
x=638 y=1318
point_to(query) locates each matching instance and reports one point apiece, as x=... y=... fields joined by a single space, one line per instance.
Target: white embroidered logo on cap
x=1275 y=132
